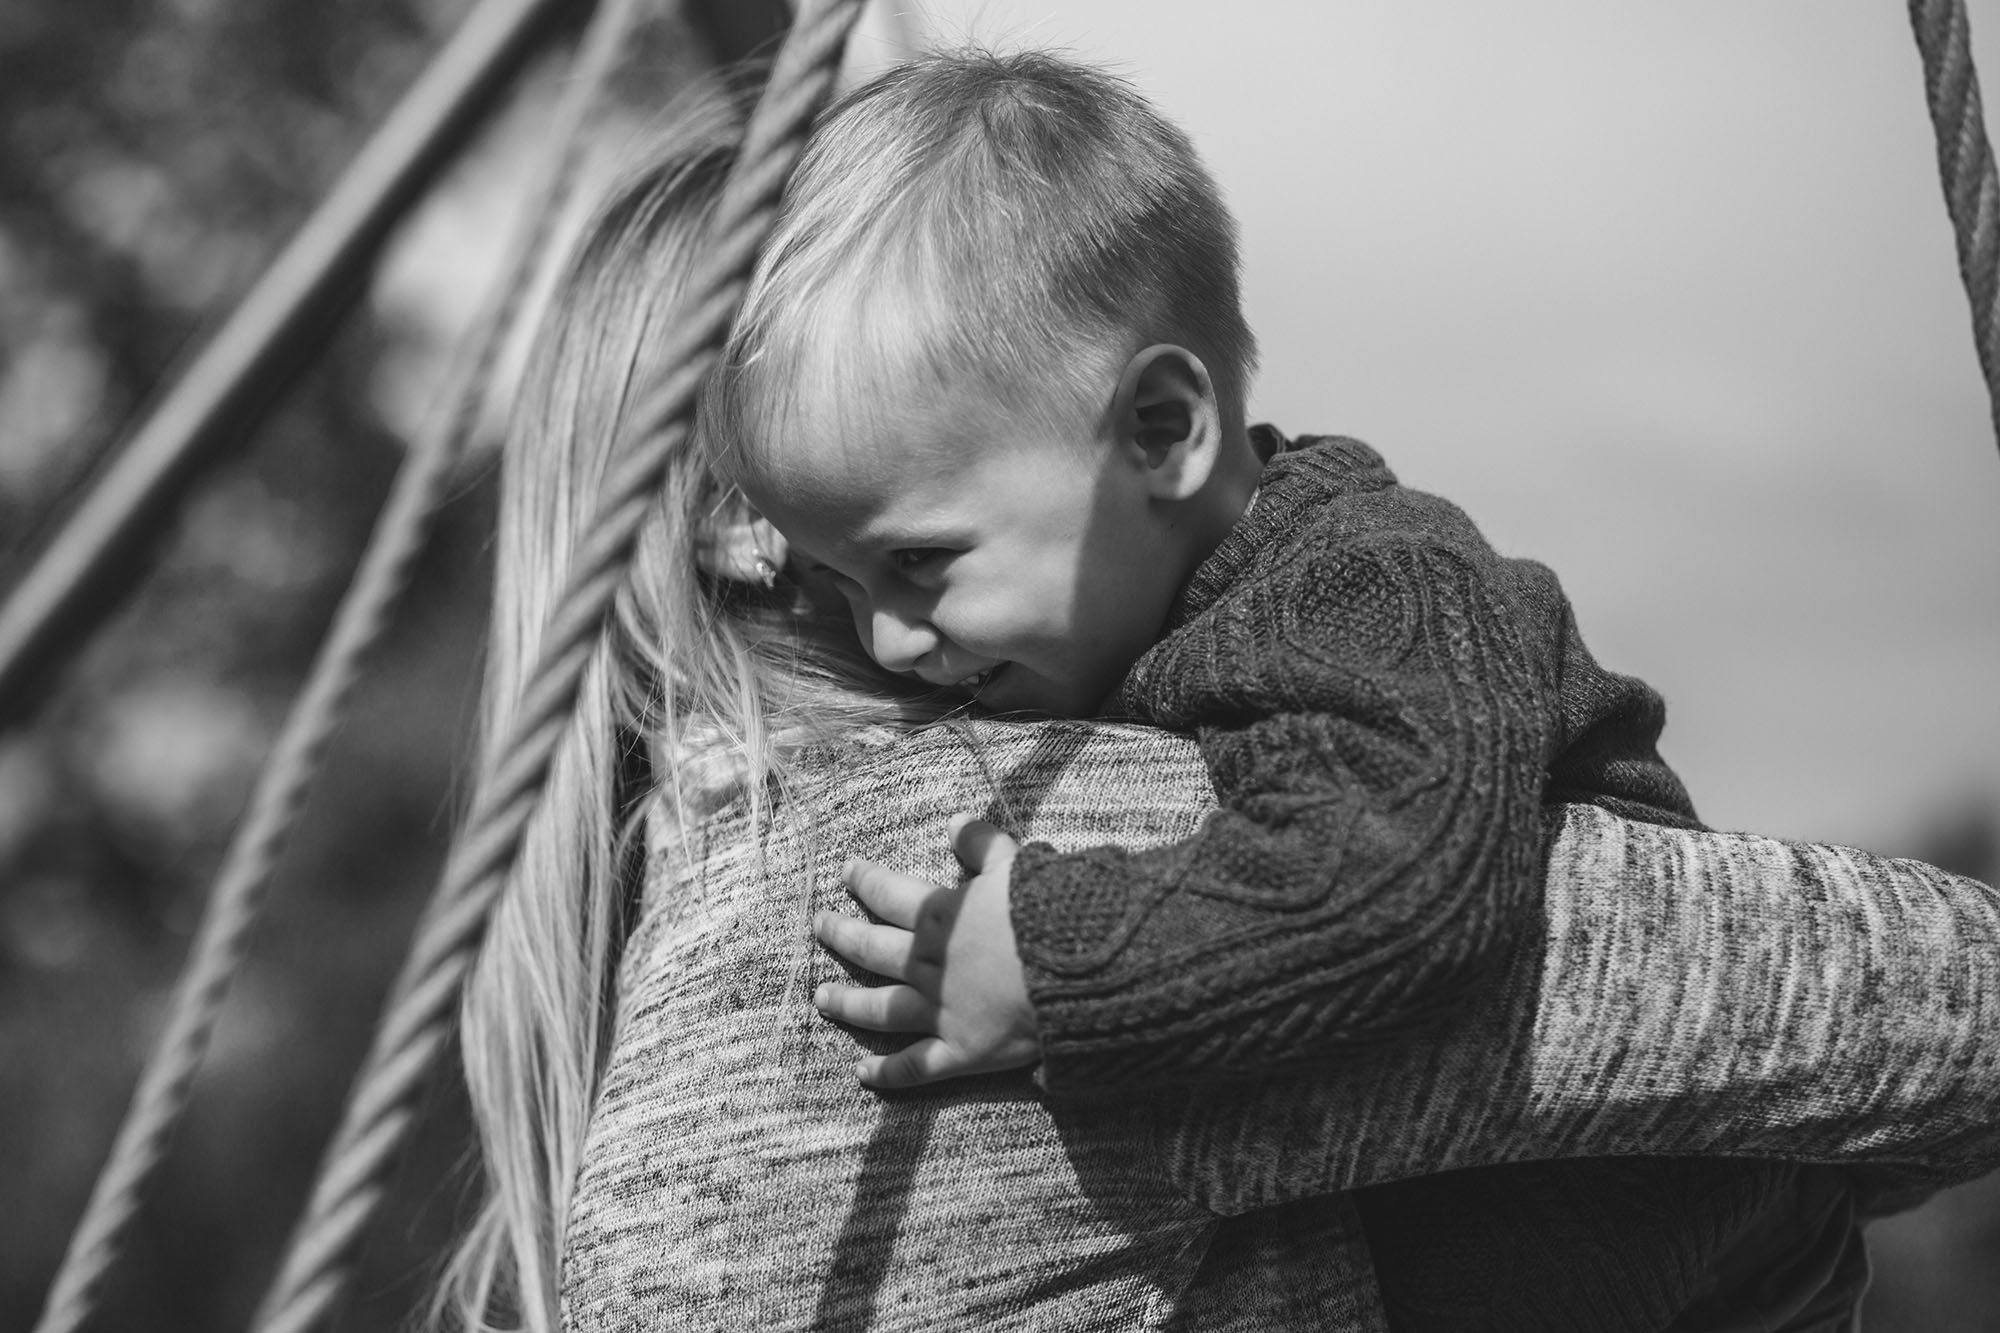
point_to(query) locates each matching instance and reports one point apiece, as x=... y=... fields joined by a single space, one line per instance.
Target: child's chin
x=1008 y=690
x=1013 y=689
x=992 y=685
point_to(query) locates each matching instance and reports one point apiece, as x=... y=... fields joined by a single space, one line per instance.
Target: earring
x=734 y=542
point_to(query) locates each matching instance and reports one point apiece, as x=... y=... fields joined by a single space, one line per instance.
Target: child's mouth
x=979 y=680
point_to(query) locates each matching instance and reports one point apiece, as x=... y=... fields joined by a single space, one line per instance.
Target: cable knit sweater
x=1384 y=705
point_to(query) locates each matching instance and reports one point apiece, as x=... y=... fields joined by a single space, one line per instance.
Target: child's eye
x=911 y=559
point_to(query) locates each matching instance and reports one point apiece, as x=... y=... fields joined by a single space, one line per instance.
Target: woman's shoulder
x=713 y=849
x=1062 y=781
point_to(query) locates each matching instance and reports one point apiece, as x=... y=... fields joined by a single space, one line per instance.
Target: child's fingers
x=925 y=1060
x=883 y=949
x=980 y=845
x=878 y=1008
x=889 y=894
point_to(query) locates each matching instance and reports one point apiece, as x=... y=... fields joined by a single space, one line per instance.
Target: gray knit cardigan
x=1694 y=993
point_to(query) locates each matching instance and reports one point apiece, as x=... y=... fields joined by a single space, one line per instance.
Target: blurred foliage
x=152 y=156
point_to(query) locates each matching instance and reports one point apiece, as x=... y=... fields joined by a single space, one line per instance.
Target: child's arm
x=1385 y=891
x=1379 y=701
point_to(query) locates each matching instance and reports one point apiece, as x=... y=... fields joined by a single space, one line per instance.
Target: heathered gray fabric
x=1765 y=999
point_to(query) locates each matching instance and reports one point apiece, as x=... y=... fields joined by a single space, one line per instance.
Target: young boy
x=990 y=379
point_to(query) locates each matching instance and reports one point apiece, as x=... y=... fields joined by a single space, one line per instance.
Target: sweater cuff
x=1054 y=932
x=1034 y=907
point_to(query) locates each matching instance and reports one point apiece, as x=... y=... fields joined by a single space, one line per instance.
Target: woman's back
x=736 y=1175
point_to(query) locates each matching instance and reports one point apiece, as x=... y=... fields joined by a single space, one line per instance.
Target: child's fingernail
x=847 y=873
x=861 y=1071
x=819 y=996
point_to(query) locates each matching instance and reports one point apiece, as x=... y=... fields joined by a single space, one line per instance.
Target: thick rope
x=242 y=882
x=383 y=1107
x=1965 y=163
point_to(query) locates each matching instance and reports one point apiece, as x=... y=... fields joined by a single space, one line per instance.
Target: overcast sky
x=1664 y=294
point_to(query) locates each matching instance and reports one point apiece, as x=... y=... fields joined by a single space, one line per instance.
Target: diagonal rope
x=1965 y=162
x=383 y=1107
x=243 y=881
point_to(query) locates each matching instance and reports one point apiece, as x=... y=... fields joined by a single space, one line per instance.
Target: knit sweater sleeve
x=1378 y=726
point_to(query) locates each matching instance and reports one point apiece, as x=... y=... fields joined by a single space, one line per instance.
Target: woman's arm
x=1681 y=993
x=1693 y=993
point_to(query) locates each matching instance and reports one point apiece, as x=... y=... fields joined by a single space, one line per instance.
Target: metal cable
x=243 y=880
x=1965 y=164
x=383 y=1107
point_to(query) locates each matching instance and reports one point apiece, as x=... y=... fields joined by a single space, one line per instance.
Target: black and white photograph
x=943 y=666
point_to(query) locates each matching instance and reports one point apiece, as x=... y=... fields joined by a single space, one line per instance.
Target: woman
x=674 y=1139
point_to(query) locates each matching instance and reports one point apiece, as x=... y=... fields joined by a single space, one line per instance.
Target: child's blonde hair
x=714 y=681
x=1008 y=220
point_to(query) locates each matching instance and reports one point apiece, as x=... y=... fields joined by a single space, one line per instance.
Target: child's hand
x=952 y=950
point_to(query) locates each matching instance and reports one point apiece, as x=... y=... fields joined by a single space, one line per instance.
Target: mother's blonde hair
x=697 y=689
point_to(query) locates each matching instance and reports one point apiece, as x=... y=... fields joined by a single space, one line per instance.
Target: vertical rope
x=243 y=881
x=382 y=1109
x=1965 y=164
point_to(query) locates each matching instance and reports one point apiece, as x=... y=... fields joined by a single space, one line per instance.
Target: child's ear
x=1165 y=413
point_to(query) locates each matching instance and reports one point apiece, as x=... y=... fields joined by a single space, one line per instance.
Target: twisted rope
x=1965 y=163
x=383 y=1106
x=243 y=880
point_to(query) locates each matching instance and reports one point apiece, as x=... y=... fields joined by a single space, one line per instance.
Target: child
x=989 y=381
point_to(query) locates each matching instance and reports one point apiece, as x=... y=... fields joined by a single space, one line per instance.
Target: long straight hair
x=714 y=682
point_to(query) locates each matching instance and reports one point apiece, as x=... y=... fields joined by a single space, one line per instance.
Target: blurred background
x=1664 y=295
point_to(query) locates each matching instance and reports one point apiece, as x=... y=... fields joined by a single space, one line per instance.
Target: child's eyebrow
x=889 y=534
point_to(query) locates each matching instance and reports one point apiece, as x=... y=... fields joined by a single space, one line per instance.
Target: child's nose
x=897 y=641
